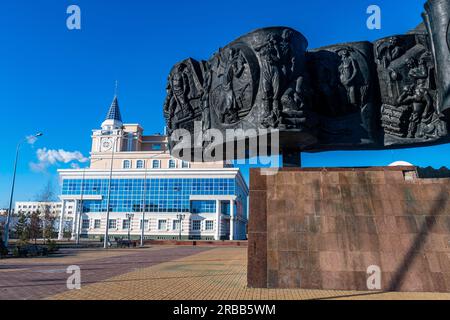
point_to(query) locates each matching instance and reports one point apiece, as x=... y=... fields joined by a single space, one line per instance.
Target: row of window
x=162 y=224
x=156 y=164
x=150 y=195
x=40 y=206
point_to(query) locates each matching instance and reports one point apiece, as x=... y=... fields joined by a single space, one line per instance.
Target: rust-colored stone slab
x=259 y=204
x=257 y=254
x=323 y=229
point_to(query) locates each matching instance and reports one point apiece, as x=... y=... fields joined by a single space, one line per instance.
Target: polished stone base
x=323 y=229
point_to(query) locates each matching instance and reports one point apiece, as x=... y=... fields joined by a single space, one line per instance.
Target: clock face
x=106 y=145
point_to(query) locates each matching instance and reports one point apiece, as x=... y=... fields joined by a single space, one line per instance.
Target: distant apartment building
x=29 y=207
x=135 y=177
x=55 y=208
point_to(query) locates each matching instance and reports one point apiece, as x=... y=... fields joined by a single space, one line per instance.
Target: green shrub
x=16 y=252
x=32 y=251
x=52 y=246
x=22 y=243
x=43 y=251
x=3 y=251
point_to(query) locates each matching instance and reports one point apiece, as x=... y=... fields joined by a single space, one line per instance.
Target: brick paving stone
x=218 y=274
x=37 y=278
x=157 y=273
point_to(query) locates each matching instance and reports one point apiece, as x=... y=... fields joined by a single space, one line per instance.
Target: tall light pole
x=144 y=204
x=129 y=216
x=8 y=219
x=144 y=197
x=106 y=240
x=81 y=211
x=180 y=218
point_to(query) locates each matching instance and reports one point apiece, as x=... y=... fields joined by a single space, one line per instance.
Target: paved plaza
x=156 y=273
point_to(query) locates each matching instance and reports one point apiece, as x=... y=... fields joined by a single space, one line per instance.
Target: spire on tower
x=114 y=117
x=114 y=111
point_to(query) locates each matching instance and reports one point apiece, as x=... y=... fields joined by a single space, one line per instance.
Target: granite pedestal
x=323 y=229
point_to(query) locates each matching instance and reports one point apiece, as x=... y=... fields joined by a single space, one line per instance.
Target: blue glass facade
x=205 y=206
x=159 y=195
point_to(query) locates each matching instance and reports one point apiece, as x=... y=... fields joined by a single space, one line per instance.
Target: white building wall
x=152 y=230
x=29 y=207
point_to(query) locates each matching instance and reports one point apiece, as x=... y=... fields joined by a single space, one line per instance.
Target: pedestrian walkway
x=37 y=278
x=217 y=274
x=156 y=273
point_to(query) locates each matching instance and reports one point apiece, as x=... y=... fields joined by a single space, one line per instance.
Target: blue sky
x=61 y=82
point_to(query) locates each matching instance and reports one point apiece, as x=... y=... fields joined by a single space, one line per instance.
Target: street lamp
x=108 y=202
x=144 y=194
x=130 y=216
x=144 y=197
x=81 y=210
x=8 y=219
x=180 y=218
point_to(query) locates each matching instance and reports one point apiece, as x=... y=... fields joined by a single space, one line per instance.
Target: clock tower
x=110 y=136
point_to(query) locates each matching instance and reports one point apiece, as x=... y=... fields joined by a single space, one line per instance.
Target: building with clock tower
x=114 y=134
x=147 y=188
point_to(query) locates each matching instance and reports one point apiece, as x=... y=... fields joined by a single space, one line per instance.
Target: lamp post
x=129 y=217
x=8 y=219
x=81 y=211
x=180 y=218
x=144 y=197
x=108 y=202
x=144 y=205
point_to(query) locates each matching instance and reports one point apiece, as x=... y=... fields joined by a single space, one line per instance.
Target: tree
x=68 y=234
x=35 y=226
x=2 y=228
x=22 y=227
x=48 y=225
x=46 y=196
x=3 y=249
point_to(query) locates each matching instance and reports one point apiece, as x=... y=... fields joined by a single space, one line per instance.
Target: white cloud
x=47 y=158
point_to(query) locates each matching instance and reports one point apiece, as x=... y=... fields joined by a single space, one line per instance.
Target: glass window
x=97 y=223
x=209 y=225
x=127 y=164
x=162 y=224
x=140 y=164
x=145 y=225
x=154 y=195
x=172 y=164
x=125 y=224
x=225 y=207
x=85 y=224
x=185 y=164
x=206 y=206
x=176 y=225
x=112 y=224
x=196 y=225
x=155 y=164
